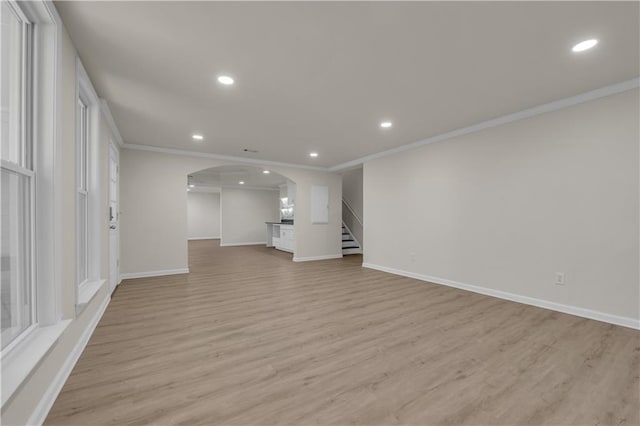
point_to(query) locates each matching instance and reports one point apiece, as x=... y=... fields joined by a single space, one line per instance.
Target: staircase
x=349 y=244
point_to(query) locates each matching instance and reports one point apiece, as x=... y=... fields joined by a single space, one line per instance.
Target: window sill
x=88 y=290
x=23 y=358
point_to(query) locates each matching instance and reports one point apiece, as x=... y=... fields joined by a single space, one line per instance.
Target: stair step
x=352 y=250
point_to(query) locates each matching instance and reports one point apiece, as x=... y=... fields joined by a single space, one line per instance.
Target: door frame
x=114 y=154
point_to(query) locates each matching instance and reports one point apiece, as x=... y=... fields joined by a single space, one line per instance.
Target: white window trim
x=83 y=148
x=86 y=290
x=26 y=172
x=27 y=350
x=24 y=167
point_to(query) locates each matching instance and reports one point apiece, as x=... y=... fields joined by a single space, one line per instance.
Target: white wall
x=154 y=210
x=244 y=213
x=508 y=207
x=203 y=215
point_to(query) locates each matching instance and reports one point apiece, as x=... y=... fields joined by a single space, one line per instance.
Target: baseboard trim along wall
x=159 y=273
x=311 y=258
x=44 y=406
x=567 y=309
x=204 y=238
x=255 y=243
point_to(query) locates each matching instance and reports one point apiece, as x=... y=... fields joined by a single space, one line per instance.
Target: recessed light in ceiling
x=191 y=185
x=188 y=190
x=266 y=172
x=225 y=79
x=584 y=45
x=313 y=154
x=197 y=137
x=386 y=124
x=241 y=182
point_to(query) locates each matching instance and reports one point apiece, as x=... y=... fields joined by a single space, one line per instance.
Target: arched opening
x=241 y=205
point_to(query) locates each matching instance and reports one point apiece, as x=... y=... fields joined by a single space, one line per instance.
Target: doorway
x=251 y=206
x=114 y=217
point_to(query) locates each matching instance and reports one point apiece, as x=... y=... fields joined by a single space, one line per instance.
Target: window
x=88 y=201
x=30 y=211
x=82 y=220
x=17 y=177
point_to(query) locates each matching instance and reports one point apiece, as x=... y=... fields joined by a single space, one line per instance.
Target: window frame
x=24 y=168
x=28 y=268
x=22 y=355
x=87 y=184
x=82 y=193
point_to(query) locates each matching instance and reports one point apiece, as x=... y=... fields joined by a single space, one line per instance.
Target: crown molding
x=106 y=112
x=84 y=84
x=221 y=157
x=505 y=119
x=509 y=118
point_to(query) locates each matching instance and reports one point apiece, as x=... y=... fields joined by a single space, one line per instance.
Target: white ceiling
x=230 y=177
x=322 y=75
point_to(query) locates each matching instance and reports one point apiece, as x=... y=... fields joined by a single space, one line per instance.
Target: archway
x=256 y=206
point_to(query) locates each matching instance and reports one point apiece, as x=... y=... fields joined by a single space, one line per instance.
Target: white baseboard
x=255 y=243
x=311 y=258
x=44 y=406
x=567 y=309
x=204 y=238
x=154 y=273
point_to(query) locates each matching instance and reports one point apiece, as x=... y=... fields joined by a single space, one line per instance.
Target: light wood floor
x=251 y=338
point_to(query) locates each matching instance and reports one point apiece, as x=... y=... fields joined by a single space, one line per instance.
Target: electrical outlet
x=560 y=278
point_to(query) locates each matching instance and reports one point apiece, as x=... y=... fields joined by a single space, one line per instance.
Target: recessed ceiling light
x=191 y=186
x=313 y=154
x=584 y=45
x=225 y=79
x=241 y=182
x=188 y=189
x=386 y=124
x=266 y=172
x=197 y=137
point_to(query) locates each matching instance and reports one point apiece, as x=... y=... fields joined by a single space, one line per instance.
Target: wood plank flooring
x=251 y=338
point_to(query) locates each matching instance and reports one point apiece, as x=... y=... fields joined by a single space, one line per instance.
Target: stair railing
x=352 y=222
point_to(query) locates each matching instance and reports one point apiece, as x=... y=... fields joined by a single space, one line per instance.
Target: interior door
x=114 y=216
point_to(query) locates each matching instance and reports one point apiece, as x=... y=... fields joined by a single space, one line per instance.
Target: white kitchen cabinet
x=286 y=240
